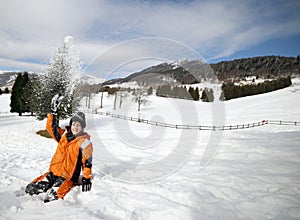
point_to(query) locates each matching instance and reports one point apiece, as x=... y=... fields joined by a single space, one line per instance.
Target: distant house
x=250 y=78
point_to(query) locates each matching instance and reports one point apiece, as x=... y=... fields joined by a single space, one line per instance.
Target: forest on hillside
x=268 y=67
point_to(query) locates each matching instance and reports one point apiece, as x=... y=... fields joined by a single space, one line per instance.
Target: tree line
x=184 y=93
x=231 y=91
x=263 y=66
x=29 y=95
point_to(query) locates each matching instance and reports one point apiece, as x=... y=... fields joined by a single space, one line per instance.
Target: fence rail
x=296 y=123
x=200 y=127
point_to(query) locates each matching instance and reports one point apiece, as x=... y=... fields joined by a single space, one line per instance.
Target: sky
x=112 y=31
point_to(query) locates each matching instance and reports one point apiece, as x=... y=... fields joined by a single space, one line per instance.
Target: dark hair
x=80 y=117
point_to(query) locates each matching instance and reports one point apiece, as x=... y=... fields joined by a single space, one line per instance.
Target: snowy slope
x=252 y=174
x=4 y=104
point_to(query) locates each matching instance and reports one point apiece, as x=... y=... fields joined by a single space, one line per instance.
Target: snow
x=132 y=85
x=68 y=39
x=4 y=104
x=253 y=174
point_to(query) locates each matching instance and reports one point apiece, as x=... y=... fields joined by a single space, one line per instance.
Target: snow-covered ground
x=4 y=104
x=148 y=172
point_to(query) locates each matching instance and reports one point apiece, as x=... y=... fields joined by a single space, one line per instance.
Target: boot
x=51 y=196
x=37 y=187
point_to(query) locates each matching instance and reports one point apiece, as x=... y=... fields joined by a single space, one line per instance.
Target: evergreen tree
x=165 y=90
x=196 y=94
x=204 y=96
x=150 y=90
x=15 y=101
x=32 y=99
x=1 y=91
x=25 y=94
x=18 y=102
x=191 y=92
x=62 y=77
x=158 y=91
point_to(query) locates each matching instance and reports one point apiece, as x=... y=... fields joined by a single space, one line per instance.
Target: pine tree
x=208 y=95
x=19 y=103
x=62 y=76
x=191 y=92
x=30 y=88
x=150 y=90
x=204 y=96
x=24 y=95
x=15 y=101
x=196 y=94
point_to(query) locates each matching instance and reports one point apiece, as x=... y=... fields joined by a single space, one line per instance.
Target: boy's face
x=76 y=127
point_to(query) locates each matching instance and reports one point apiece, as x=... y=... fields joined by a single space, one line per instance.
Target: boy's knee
x=64 y=188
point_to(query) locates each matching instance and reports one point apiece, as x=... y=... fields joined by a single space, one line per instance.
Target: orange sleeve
x=87 y=152
x=52 y=127
x=87 y=172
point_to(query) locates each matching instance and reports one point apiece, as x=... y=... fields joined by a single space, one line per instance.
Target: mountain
x=263 y=67
x=91 y=80
x=7 y=79
x=189 y=72
x=178 y=71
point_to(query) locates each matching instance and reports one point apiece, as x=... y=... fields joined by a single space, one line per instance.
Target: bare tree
x=141 y=98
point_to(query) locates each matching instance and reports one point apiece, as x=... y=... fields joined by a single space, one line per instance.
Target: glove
x=55 y=103
x=86 y=184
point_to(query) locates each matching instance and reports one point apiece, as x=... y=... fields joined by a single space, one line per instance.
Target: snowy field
x=148 y=172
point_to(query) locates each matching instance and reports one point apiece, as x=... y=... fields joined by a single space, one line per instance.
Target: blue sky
x=215 y=30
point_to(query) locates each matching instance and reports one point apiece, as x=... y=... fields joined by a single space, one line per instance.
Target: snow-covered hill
x=149 y=172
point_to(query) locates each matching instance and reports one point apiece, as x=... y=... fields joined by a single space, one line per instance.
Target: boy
x=73 y=153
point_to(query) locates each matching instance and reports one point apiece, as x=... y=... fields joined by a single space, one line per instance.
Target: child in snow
x=73 y=153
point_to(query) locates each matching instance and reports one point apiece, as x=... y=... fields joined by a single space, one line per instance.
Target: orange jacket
x=70 y=156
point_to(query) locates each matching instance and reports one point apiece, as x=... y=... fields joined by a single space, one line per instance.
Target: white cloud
x=138 y=54
x=21 y=66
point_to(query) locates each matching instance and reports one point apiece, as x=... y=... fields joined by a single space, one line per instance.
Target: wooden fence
x=200 y=127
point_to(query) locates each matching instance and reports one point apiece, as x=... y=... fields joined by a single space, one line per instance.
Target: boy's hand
x=55 y=103
x=86 y=184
